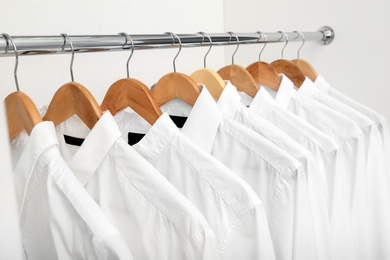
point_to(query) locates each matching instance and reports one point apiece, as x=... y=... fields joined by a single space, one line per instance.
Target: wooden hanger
x=288 y=68
x=22 y=114
x=73 y=99
x=305 y=66
x=131 y=93
x=175 y=85
x=211 y=79
x=239 y=76
x=264 y=73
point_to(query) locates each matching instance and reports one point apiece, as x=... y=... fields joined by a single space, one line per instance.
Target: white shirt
x=58 y=218
x=231 y=207
x=10 y=239
x=155 y=219
x=381 y=121
x=327 y=156
x=347 y=133
x=378 y=184
x=230 y=104
x=275 y=175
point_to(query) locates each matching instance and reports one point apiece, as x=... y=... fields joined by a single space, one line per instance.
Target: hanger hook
x=303 y=42
x=211 y=45
x=127 y=36
x=285 y=35
x=66 y=38
x=6 y=43
x=265 y=44
x=238 y=44
x=9 y=39
x=173 y=35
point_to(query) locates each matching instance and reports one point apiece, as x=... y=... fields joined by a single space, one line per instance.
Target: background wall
x=358 y=60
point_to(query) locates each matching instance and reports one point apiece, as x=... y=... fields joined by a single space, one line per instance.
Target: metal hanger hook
x=9 y=39
x=127 y=36
x=173 y=35
x=285 y=35
x=238 y=44
x=211 y=45
x=303 y=42
x=66 y=38
x=265 y=44
x=6 y=43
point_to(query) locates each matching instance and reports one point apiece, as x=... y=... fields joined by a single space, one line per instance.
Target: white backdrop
x=357 y=62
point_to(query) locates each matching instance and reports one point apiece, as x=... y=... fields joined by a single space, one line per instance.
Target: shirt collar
x=42 y=137
x=95 y=147
x=322 y=84
x=157 y=138
x=229 y=100
x=308 y=88
x=285 y=92
x=262 y=103
x=203 y=121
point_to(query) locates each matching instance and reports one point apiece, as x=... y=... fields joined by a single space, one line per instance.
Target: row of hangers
x=73 y=98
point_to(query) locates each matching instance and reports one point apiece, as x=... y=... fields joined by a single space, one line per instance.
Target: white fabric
x=155 y=219
x=10 y=239
x=347 y=133
x=327 y=156
x=230 y=104
x=231 y=207
x=277 y=177
x=58 y=218
x=381 y=121
x=378 y=184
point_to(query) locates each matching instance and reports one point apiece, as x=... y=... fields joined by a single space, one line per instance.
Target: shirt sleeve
x=249 y=237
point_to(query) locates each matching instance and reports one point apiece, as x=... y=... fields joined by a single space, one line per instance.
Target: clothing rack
x=56 y=44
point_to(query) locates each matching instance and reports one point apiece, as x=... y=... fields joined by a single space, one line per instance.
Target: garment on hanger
x=230 y=104
x=381 y=121
x=260 y=163
x=328 y=156
x=231 y=207
x=378 y=185
x=58 y=218
x=154 y=218
x=347 y=133
x=10 y=236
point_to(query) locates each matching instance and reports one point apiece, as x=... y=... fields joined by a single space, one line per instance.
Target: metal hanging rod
x=54 y=44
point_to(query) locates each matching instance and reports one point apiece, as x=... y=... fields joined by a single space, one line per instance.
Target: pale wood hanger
x=129 y=92
x=211 y=79
x=264 y=73
x=305 y=66
x=73 y=99
x=176 y=85
x=22 y=114
x=288 y=68
x=239 y=76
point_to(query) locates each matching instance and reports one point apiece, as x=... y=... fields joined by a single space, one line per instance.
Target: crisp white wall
x=41 y=76
x=357 y=62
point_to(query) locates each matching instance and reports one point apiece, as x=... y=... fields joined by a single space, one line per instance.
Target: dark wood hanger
x=290 y=70
x=176 y=85
x=73 y=99
x=265 y=74
x=211 y=79
x=22 y=114
x=129 y=92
